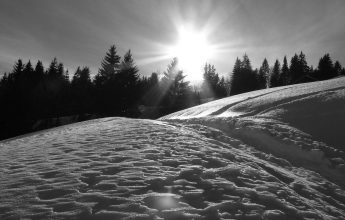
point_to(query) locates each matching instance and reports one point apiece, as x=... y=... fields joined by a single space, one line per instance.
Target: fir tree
x=109 y=66
x=303 y=65
x=38 y=73
x=325 y=69
x=127 y=82
x=210 y=81
x=243 y=77
x=294 y=70
x=81 y=87
x=53 y=69
x=263 y=74
x=275 y=76
x=174 y=88
x=284 y=76
x=337 y=68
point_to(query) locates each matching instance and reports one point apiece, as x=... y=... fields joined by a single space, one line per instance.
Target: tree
x=38 y=73
x=109 y=66
x=299 y=69
x=149 y=88
x=294 y=69
x=243 y=77
x=303 y=66
x=210 y=81
x=337 y=68
x=275 y=76
x=325 y=69
x=284 y=76
x=107 y=89
x=174 y=88
x=263 y=74
x=18 y=68
x=81 y=87
x=53 y=69
x=127 y=82
x=212 y=86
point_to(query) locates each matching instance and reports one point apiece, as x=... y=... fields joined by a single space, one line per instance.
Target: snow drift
x=259 y=155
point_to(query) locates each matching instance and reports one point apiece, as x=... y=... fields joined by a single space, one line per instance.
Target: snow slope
x=243 y=157
x=302 y=123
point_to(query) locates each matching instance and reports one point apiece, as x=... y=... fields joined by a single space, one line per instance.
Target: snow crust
x=302 y=123
x=253 y=156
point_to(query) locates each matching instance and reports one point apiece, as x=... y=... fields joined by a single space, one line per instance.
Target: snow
x=259 y=155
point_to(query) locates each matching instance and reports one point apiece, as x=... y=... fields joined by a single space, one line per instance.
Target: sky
x=79 y=32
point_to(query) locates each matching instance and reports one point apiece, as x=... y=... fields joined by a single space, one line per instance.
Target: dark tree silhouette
x=275 y=76
x=212 y=86
x=81 y=87
x=263 y=74
x=127 y=81
x=337 y=68
x=299 y=69
x=284 y=76
x=30 y=95
x=325 y=69
x=149 y=87
x=109 y=67
x=174 y=88
x=243 y=77
x=106 y=84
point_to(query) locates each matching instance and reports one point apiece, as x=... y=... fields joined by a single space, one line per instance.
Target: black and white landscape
x=244 y=157
x=172 y=110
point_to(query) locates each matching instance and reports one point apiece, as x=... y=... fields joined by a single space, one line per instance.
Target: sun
x=192 y=51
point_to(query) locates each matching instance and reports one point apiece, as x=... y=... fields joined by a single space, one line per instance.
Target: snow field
x=116 y=168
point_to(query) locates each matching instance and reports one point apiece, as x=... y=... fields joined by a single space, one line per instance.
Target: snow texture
x=243 y=157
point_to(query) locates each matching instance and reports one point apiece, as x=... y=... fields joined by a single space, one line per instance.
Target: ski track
x=117 y=168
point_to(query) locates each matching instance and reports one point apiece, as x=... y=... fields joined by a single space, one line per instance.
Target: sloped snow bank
x=118 y=168
x=303 y=123
x=316 y=108
x=283 y=141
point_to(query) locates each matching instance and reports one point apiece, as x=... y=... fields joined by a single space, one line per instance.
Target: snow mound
x=302 y=123
x=117 y=168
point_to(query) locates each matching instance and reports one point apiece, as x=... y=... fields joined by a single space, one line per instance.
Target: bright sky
x=79 y=32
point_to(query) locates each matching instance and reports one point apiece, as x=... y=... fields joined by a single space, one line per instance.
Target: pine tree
x=337 y=68
x=304 y=69
x=236 y=78
x=325 y=69
x=53 y=69
x=38 y=73
x=17 y=71
x=109 y=66
x=294 y=70
x=275 y=76
x=28 y=69
x=263 y=74
x=174 y=88
x=81 y=77
x=128 y=71
x=127 y=82
x=243 y=77
x=210 y=81
x=284 y=76
x=81 y=88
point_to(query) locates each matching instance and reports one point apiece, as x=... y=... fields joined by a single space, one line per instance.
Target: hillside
x=269 y=154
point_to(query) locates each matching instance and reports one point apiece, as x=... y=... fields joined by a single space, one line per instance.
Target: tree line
x=244 y=78
x=32 y=92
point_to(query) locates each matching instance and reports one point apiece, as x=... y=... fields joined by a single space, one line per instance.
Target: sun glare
x=193 y=51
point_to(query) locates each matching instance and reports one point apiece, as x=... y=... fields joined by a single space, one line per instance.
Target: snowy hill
x=270 y=154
